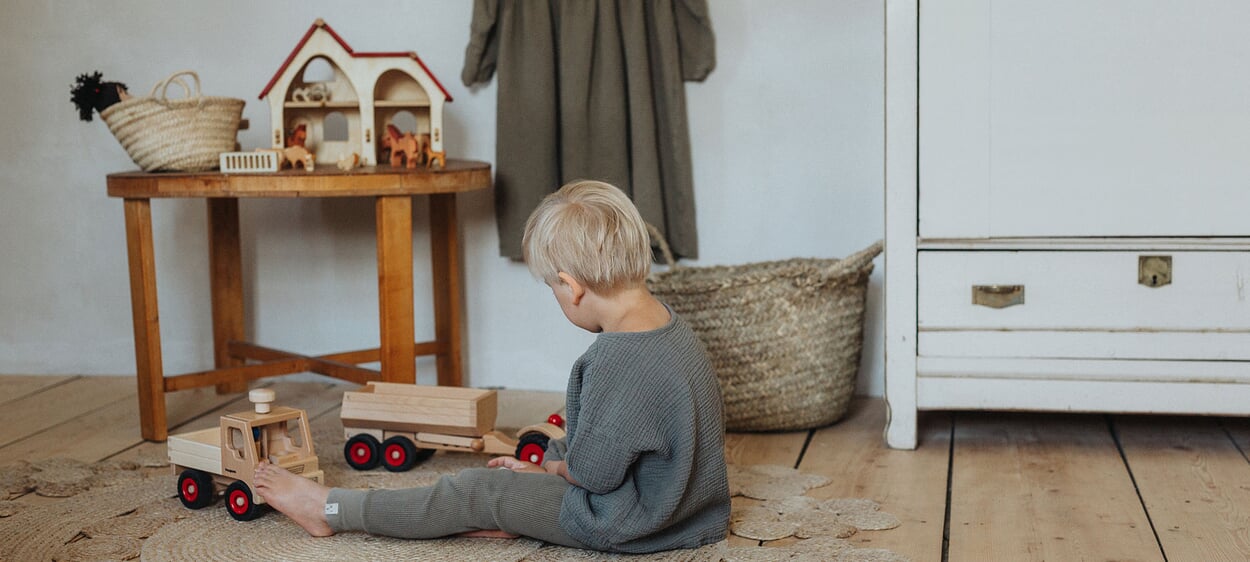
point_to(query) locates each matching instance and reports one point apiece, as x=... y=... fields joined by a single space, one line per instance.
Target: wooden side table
x=237 y=360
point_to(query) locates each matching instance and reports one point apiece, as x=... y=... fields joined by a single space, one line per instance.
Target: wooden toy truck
x=400 y=425
x=226 y=456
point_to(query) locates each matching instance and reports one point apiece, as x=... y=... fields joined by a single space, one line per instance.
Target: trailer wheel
x=195 y=488
x=532 y=447
x=361 y=451
x=399 y=454
x=239 y=502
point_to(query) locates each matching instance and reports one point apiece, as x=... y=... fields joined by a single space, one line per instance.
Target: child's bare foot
x=301 y=499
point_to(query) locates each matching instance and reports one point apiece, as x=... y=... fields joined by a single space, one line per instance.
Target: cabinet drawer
x=1083 y=291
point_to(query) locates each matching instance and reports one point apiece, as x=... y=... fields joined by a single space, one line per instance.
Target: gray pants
x=477 y=498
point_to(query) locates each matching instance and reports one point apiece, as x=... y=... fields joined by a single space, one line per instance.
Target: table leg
x=448 y=299
x=146 y=319
x=394 y=233
x=225 y=267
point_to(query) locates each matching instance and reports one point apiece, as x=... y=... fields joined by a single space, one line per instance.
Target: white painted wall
x=788 y=153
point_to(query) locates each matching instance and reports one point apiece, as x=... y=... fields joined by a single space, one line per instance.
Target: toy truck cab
x=227 y=455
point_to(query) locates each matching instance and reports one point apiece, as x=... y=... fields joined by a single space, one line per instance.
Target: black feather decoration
x=90 y=93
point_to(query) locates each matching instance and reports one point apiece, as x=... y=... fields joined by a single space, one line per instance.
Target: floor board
x=1239 y=430
x=909 y=484
x=1043 y=487
x=57 y=404
x=17 y=387
x=1194 y=482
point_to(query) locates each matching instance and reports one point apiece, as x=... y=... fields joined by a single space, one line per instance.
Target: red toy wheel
x=195 y=488
x=239 y=502
x=399 y=454
x=361 y=452
x=532 y=448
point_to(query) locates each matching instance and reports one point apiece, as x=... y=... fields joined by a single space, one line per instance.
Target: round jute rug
x=210 y=537
x=49 y=531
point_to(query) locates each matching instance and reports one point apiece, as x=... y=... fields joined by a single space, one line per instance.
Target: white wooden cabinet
x=1067 y=207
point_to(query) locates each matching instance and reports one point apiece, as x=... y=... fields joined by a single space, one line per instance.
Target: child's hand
x=554 y=467
x=515 y=465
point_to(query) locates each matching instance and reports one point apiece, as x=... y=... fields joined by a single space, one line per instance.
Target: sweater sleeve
x=610 y=436
x=556 y=449
x=483 y=50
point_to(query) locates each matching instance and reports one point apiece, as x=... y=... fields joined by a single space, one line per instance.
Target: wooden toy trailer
x=203 y=465
x=400 y=425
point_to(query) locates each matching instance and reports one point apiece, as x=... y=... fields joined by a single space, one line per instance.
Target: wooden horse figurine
x=297 y=136
x=404 y=147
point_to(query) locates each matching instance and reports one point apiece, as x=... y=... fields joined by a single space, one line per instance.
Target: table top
x=324 y=181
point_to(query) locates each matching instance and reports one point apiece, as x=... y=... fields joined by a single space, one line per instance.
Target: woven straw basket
x=784 y=337
x=175 y=135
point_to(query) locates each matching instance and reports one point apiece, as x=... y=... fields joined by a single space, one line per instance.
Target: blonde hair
x=591 y=231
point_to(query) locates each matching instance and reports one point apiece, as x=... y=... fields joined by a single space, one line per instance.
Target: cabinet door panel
x=1084 y=118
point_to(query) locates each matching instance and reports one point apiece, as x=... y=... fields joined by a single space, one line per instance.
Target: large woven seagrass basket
x=784 y=337
x=175 y=135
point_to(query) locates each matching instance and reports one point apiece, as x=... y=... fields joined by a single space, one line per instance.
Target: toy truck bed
x=400 y=425
x=445 y=410
x=200 y=450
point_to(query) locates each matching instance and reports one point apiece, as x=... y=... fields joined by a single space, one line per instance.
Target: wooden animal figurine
x=348 y=161
x=297 y=136
x=90 y=93
x=406 y=148
x=399 y=425
x=225 y=457
x=315 y=92
x=431 y=155
x=292 y=156
x=295 y=153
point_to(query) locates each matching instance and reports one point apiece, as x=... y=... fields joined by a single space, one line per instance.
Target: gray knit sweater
x=646 y=444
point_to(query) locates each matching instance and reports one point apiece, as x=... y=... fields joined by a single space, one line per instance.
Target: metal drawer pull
x=997 y=296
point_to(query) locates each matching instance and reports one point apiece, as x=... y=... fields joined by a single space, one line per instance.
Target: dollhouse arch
x=322 y=97
x=397 y=95
x=369 y=89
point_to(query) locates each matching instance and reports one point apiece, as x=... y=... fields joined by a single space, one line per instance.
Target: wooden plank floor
x=981 y=486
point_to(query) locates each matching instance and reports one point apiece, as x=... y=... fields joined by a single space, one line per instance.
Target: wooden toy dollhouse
x=367 y=94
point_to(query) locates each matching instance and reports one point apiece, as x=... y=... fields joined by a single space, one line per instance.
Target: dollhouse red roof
x=323 y=25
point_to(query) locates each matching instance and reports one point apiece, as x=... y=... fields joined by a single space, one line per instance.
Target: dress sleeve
x=483 y=50
x=695 y=39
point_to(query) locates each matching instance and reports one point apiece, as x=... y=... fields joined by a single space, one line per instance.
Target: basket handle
x=666 y=251
x=862 y=258
x=176 y=78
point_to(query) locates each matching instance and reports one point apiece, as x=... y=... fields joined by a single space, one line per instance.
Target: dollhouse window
x=405 y=121
x=336 y=127
x=318 y=70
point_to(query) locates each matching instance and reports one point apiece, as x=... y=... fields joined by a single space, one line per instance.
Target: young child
x=642 y=468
